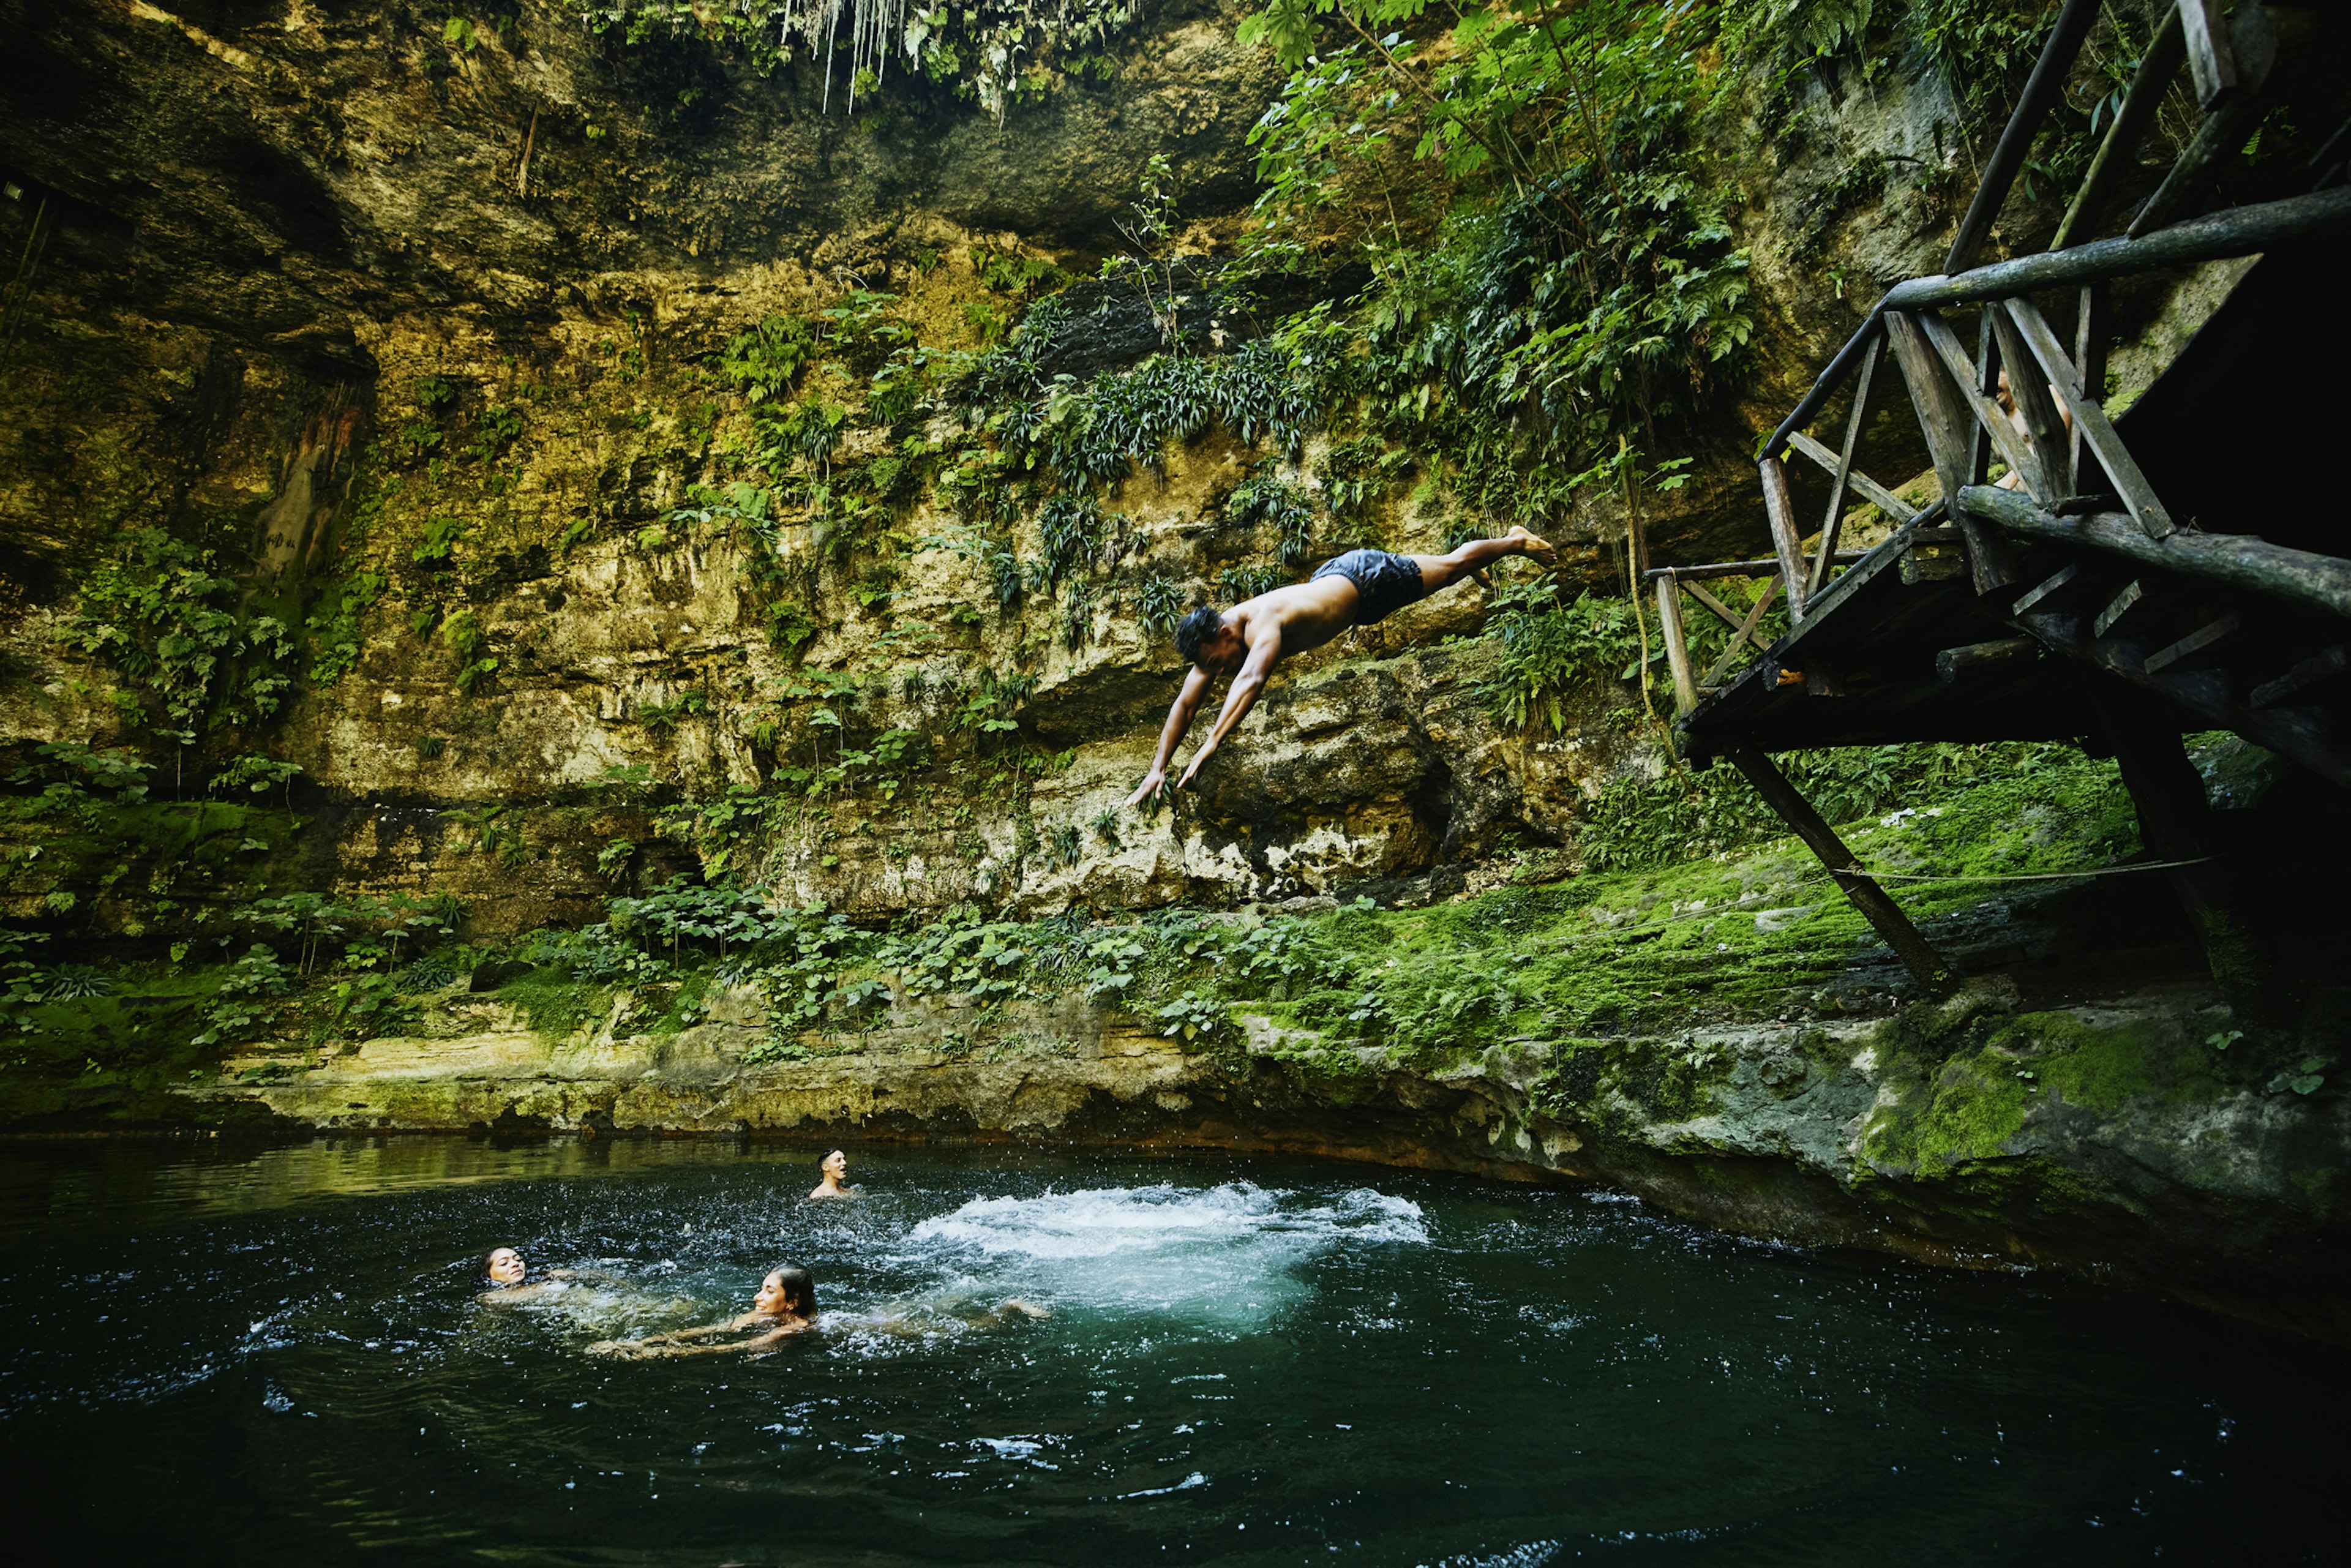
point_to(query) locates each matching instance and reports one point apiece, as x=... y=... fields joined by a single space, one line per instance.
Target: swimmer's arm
x=1171 y=734
x=1264 y=651
x=598 y=1275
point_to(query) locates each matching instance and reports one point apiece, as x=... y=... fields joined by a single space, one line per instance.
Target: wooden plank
x=1842 y=475
x=2125 y=600
x=1926 y=966
x=1746 y=634
x=2117 y=154
x=1953 y=662
x=1939 y=416
x=1736 y=568
x=2045 y=427
x=2193 y=651
x=1724 y=613
x=2323 y=671
x=2210 y=61
x=2042 y=91
x=1781 y=511
x=1669 y=621
x=1987 y=414
x=2090 y=420
x=2240 y=561
x=2049 y=588
x=1876 y=494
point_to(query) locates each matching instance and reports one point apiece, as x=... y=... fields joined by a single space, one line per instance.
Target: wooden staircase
x=2068 y=598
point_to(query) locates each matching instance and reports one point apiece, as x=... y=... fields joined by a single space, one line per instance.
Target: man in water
x=835 y=1167
x=1354 y=590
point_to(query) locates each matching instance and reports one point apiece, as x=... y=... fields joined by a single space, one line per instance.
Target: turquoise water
x=229 y=1354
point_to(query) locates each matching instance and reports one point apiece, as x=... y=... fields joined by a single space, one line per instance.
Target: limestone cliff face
x=315 y=211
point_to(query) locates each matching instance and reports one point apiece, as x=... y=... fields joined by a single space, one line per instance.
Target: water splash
x=1229 y=1251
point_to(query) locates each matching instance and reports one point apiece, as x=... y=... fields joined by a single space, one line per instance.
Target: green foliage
x=1554 y=651
x=1584 y=286
x=763 y=362
x=245 y=1000
x=117 y=770
x=484 y=830
x=256 y=774
x=992 y=52
x=437 y=544
x=157 y=610
x=1160 y=602
x=1267 y=498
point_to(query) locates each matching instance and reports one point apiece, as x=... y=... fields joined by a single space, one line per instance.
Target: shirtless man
x=1354 y=590
x=835 y=1167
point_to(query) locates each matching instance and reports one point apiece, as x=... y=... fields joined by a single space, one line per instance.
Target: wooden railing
x=2068 y=450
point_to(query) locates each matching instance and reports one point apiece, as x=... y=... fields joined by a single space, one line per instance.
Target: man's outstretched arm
x=1265 y=652
x=1171 y=735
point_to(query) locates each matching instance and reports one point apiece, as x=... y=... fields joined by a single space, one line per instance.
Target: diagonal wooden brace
x=1926 y=966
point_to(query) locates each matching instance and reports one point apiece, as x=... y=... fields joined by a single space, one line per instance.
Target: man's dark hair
x=1195 y=629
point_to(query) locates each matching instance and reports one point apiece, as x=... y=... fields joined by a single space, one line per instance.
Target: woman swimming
x=785 y=1305
x=835 y=1167
x=504 y=1275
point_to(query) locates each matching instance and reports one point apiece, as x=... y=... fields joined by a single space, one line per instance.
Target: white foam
x=1229 y=1251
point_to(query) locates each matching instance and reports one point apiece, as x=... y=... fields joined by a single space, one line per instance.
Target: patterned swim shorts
x=1383 y=584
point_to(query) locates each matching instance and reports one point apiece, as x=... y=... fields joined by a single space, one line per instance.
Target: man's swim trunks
x=1383 y=584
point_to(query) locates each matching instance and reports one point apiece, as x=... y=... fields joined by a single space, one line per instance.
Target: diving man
x=1354 y=590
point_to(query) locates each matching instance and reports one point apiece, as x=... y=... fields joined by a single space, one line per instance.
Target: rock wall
x=304 y=301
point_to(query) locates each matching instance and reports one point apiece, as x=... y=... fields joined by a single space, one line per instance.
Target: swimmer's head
x=786 y=1292
x=503 y=1266
x=835 y=1166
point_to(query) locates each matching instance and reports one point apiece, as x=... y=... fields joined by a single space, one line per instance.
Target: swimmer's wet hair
x=482 y=1280
x=799 y=1285
x=1195 y=629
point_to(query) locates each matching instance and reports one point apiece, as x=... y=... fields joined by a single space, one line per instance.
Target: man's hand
x=1153 y=782
x=1199 y=760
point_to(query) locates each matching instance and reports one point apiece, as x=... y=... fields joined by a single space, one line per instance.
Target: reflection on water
x=222 y=1353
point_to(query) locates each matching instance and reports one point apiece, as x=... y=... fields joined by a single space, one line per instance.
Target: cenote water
x=259 y=1356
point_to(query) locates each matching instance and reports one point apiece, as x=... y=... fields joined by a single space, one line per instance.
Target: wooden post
x=1988 y=418
x=2254 y=43
x=1785 y=543
x=2041 y=91
x=2045 y=427
x=1669 y=623
x=2209 y=59
x=1926 y=966
x=2097 y=431
x=1819 y=577
x=2083 y=476
x=1939 y=420
x=1861 y=483
x=2138 y=112
x=2175 y=824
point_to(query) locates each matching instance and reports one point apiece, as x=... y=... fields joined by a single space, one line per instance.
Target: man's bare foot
x=1537 y=549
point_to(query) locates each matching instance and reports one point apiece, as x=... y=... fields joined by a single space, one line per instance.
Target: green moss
x=2102 y=1067
x=554 y=1005
x=1973 y=1112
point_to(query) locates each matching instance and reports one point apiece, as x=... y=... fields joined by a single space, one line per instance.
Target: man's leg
x=1472 y=558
